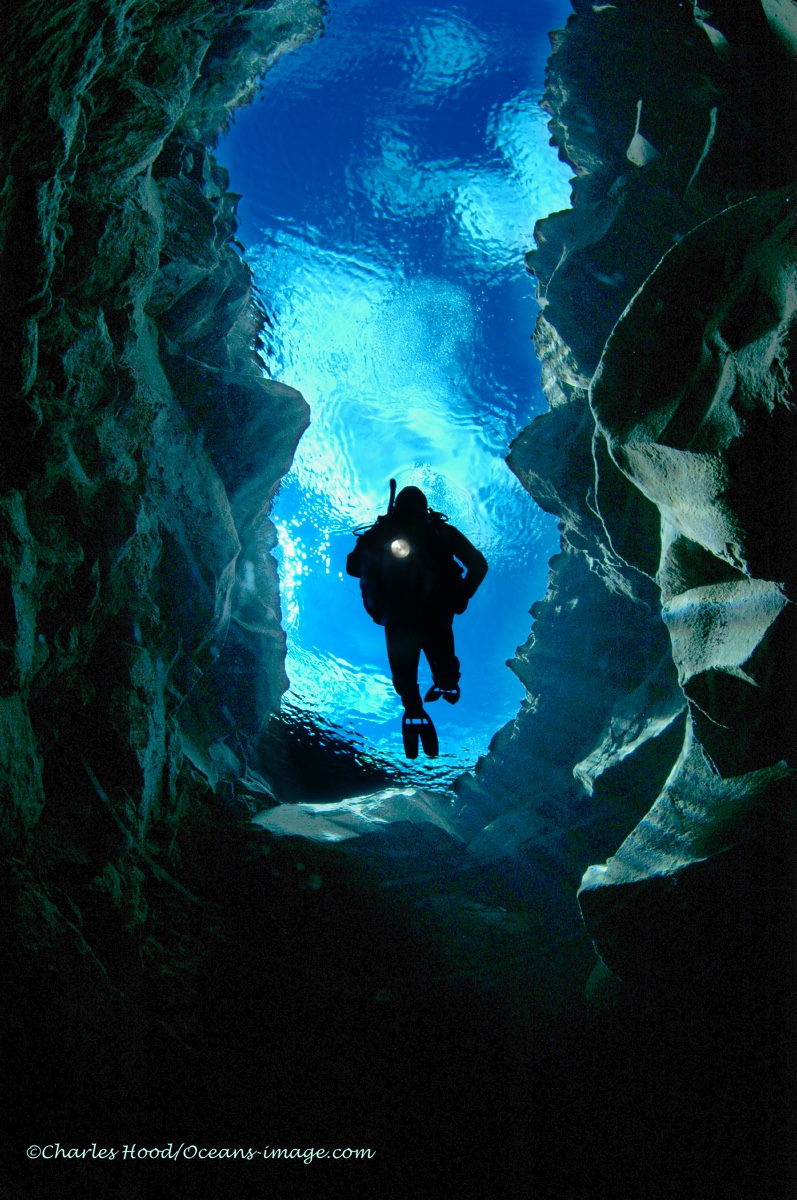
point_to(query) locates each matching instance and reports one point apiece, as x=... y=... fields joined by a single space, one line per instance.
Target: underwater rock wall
x=668 y=296
x=141 y=642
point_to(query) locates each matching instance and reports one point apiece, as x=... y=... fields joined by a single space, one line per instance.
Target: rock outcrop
x=666 y=337
x=141 y=644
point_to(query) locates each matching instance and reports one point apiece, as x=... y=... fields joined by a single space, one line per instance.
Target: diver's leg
x=404 y=654
x=438 y=646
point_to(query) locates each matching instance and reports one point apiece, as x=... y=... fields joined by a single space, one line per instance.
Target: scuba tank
x=403 y=568
x=381 y=549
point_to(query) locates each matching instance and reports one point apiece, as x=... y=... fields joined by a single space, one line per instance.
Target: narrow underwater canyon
x=429 y=989
x=391 y=175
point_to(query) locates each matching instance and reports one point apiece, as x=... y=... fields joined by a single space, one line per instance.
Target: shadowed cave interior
x=571 y=975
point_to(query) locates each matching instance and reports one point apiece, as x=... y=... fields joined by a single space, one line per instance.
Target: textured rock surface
x=141 y=646
x=666 y=338
x=694 y=401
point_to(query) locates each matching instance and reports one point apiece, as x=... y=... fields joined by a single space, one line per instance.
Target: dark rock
x=141 y=649
x=666 y=342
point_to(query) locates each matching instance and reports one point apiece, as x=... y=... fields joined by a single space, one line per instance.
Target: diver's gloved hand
x=450 y=694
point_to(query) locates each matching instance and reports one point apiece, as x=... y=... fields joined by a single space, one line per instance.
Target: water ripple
x=391 y=183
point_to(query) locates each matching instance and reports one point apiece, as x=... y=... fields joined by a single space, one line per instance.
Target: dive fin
x=419 y=727
x=431 y=746
x=449 y=694
x=410 y=732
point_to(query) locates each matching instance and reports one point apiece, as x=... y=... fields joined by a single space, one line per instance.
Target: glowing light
x=400 y=547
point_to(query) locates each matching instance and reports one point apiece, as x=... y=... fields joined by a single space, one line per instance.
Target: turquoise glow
x=392 y=178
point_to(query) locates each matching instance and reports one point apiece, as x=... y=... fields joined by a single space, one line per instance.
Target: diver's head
x=411 y=504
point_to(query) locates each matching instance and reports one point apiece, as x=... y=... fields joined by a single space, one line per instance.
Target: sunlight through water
x=392 y=174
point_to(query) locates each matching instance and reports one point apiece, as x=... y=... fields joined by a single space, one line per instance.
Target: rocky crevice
x=141 y=646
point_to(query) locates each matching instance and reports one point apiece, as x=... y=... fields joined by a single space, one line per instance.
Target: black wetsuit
x=418 y=607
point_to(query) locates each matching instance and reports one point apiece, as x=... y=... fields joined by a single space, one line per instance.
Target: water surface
x=392 y=173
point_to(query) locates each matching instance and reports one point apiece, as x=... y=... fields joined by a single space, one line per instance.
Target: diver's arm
x=472 y=559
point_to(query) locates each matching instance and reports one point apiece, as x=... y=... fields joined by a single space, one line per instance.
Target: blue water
x=392 y=172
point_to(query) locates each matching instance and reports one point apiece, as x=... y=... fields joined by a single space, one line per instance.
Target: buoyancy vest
x=408 y=569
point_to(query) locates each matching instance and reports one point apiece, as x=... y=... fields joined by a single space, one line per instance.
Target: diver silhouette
x=413 y=585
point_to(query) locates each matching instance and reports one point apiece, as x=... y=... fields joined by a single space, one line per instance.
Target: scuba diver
x=412 y=584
